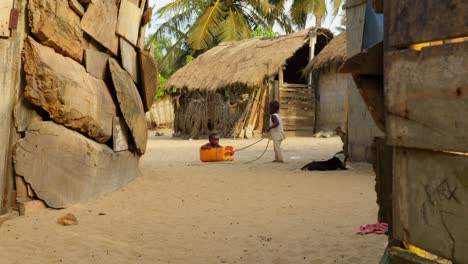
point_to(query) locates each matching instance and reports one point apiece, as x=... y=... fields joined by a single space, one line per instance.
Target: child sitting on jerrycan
x=213 y=151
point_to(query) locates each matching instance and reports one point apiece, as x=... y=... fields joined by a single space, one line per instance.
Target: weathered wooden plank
x=298 y=128
x=297 y=103
x=66 y=37
x=100 y=22
x=10 y=76
x=128 y=25
x=355 y=18
x=289 y=118
x=295 y=109
x=141 y=38
x=149 y=79
x=129 y=59
x=430 y=192
x=96 y=63
x=253 y=112
x=296 y=86
x=130 y=105
x=382 y=165
x=5 y=9
x=297 y=89
x=120 y=135
x=64 y=167
x=299 y=122
x=142 y=34
x=426 y=94
x=71 y=96
x=411 y=22
x=261 y=113
x=77 y=7
x=296 y=96
x=298 y=112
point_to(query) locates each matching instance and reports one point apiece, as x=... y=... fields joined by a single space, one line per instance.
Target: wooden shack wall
x=426 y=96
x=65 y=45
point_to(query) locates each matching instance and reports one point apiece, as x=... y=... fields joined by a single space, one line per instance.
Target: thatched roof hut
x=227 y=88
x=247 y=62
x=333 y=55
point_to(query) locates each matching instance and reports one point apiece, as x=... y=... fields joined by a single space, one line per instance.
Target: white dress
x=277 y=133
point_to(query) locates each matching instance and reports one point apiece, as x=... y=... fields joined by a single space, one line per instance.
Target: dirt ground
x=182 y=211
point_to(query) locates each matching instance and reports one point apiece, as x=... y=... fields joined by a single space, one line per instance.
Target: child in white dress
x=276 y=130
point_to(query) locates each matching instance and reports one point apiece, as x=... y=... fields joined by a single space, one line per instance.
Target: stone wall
x=332 y=90
x=78 y=92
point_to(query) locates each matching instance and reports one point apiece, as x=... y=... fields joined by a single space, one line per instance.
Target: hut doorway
x=296 y=96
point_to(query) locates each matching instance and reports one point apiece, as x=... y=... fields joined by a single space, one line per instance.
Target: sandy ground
x=181 y=211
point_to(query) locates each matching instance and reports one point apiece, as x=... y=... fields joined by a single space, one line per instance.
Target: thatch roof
x=245 y=62
x=333 y=55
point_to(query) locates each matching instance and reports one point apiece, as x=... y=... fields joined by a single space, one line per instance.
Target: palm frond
x=228 y=28
x=319 y=11
x=299 y=11
x=173 y=7
x=204 y=31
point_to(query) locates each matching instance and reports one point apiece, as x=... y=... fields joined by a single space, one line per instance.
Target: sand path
x=181 y=212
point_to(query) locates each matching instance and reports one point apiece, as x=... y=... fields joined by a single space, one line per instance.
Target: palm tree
x=193 y=26
x=205 y=23
x=168 y=55
x=300 y=10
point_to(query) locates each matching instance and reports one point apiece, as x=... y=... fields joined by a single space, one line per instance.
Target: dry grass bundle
x=333 y=54
x=197 y=114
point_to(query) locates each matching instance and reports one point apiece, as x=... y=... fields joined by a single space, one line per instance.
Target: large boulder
x=67 y=92
x=64 y=167
x=56 y=25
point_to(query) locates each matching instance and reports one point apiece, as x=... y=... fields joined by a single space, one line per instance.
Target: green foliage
x=205 y=23
x=161 y=91
x=162 y=83
x=233 y=92
x=169 y=55
x=189 y=58
x=259 y=32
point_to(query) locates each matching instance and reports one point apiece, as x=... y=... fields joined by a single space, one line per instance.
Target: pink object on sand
x=380 y=228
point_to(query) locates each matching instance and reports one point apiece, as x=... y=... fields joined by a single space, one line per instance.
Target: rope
x=239 y=150
x=266 y=148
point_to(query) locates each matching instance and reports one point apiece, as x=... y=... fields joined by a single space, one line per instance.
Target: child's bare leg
x=277 y=148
